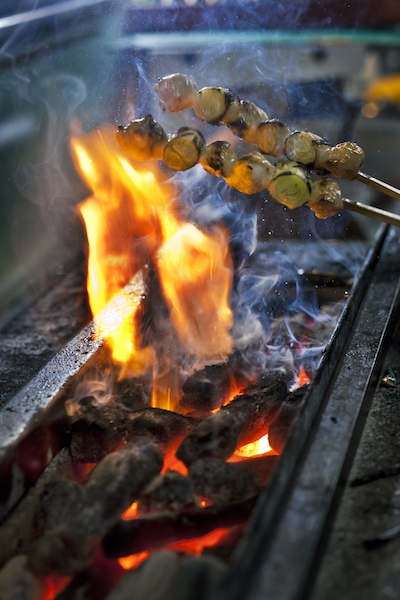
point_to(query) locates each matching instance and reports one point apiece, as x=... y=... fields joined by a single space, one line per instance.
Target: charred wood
x=222 y=482
x=94 y=583
x=17 y=582
x=164 y=427
x=244 y=420
x=169 y=492
x=146 y=533
x=280 y=427
x=53 y=504
x=111 y=488
x=261 y=467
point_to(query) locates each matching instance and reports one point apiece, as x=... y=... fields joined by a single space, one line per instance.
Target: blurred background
x=330 y=67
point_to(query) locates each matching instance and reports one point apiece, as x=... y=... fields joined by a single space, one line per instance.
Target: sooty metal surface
x=277 y=556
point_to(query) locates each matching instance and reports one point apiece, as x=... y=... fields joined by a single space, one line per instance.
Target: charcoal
x=207 y=389
x=150 y=581
x=281 y=425
x=168 y=492
x=163 y=426
x=217 y=436
x=244 y=420
x=111 y=488
x=18 y=583
x=222 y=482
x=150 y=532
x=94 y=583
x=261 y=467
x=91 y=442
x=53 y=504
x=196 y=578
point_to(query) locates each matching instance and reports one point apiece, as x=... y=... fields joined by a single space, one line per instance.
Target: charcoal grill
x=296 y=544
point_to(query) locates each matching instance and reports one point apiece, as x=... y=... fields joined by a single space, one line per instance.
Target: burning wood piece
x=53 y=504
x=147 y=533
x=244 y=420
x=111 y=488
x=222 y=482
x=280 y=427
x=18 y=583
x=207 y=389
x=168 y=492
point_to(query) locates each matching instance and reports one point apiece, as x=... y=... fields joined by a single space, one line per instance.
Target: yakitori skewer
x=221 y=106
x=288 y=182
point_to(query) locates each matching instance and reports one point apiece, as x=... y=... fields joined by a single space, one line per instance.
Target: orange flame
x=131 y=512
x=256 y=448
x=131 y=219
x=302 y=377
x=196 y=545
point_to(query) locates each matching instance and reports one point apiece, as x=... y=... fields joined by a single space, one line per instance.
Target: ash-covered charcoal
x=53 y=504
x=148 y=533
x=162 y=426
x=196 y=578
x=207 y=389
x=18 y=583
x=168 y=492
x=150 y=581
x=280 y=427
x=222 y=482
x=91 y=442
x=111 y=488
x=261 y=467
x=245 y=419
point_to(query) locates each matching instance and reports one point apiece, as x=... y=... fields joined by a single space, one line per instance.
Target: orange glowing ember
x=132 y=561
x=131 y=512
x=256 y=448
x=302 y=377
x=132 y=220
x=196 y=545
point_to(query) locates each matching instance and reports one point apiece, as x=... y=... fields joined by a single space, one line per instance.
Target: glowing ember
x=302 y=377
x=53 y=585
x=256 y=448
x=196 y=545
x=131 y=512
x=132 y=561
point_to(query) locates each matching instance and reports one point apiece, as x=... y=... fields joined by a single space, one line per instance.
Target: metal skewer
x=372 y=211
x=381 y=186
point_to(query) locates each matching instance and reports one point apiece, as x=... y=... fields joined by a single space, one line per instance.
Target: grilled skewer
x=220 y=106
x=289 y=183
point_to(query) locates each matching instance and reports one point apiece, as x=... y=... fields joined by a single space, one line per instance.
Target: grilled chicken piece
x=176 y=92
x=244 y=118
x=301 y=146
x=291 y=184
x=211 y=103
x=183 y=149
x=142 y=139
x=251 y=173
x=326 y=198
x=345 y=160
x=218 y=158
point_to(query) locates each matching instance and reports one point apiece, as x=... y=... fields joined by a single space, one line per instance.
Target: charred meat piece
x=212 y=103
x=218 y=158
x=302 y=146
x=142 y=139
x=251 y=173
x=270 y=136
x=345 y=160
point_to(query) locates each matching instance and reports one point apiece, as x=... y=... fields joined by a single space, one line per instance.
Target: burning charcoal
x=111 y=488
x=18 y=583
x=217 y=436
x=147 y=533
x=163 y=426
x=222 y=482
x=244 y=419
x=94 y=583
x=53 y=504
x=150 y=581
x=281 y=425
x=196 y=578
x=169 y=492
x=207 y=389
